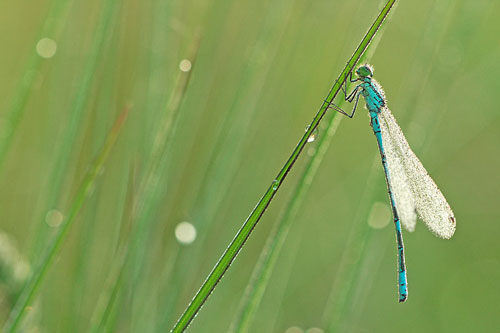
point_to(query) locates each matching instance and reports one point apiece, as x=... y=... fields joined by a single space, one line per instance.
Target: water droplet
x=185 y=233
x=54 y=218
x=380 y=215
x=312 y=137
x=185 y=65
x=276 y=184
x=46 y=48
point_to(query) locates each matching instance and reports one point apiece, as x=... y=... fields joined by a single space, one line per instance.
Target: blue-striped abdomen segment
x=402 y=282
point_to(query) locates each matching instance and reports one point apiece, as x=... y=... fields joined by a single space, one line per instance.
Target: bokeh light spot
x=380 y=215
x=46 y=48
x=185 y=65
x=314 y=330
x=185 y=233
x=294 y=329
x=54 y=218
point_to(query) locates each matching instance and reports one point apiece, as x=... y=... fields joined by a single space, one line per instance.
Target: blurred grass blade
x=84 y=191
x=149 y=194
x=148 y=197
x=104 y=306
x=102 y=315
x=50 y=28
x=70 y=131
x=354 y=250
x=151 y=189
x=227 y=148
x=242 y=235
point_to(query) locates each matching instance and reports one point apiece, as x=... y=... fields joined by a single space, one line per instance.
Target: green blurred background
x=201 y=147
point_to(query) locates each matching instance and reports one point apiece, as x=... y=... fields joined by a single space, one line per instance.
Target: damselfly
x=411 y=189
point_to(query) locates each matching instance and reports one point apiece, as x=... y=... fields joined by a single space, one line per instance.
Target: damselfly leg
x=348 y=98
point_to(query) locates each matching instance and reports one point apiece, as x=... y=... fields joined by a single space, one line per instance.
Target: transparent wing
x=398 y=178
x=413 y=188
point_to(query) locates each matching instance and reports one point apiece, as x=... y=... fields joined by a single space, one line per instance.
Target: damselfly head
x=364 y=71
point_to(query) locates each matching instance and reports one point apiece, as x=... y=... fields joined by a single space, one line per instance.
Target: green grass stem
x=109 y=294
x=84 y=191
x=270 y=254
x=243 y=234
x=104 y=309
x=55 y=178
x=51 y=28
